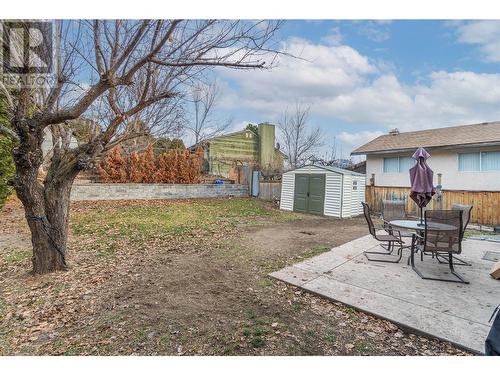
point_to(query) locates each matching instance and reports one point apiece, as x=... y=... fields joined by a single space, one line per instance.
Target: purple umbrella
x=421 y=176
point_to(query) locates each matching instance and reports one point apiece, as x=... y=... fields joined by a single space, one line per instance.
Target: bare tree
x=298 y=140
x=203 y=125
x=133 y=70
x=329 y=158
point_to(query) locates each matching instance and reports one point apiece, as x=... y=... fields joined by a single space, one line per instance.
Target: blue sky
x=363 y=78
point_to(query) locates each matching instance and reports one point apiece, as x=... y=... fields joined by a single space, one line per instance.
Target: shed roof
x=455 y=136
x=331 y=169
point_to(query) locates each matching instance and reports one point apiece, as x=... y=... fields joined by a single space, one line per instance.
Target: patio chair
x=443 y=236
x=394 y=210
x=392 y=239
x=466 y=213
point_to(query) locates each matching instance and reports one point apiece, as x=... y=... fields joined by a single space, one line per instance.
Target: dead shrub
x=171 y=167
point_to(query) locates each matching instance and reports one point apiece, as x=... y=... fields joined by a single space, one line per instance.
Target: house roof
x=487 y=133
x=208 y=140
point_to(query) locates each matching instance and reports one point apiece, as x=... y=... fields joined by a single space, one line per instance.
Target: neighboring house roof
x=487 y=133
x=208 y=140
x=358 y=167
x=340 y=170
x=281 y=152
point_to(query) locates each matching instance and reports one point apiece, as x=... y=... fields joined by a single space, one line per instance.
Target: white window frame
x=480 y=162
x=399 y=164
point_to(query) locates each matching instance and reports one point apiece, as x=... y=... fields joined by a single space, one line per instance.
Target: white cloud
x=484 y=34
x=240 y=125
x=359 y=138
x=334 y=38
x=383 y=101
x=315 y=71
x=376 y=31
x=341 y=84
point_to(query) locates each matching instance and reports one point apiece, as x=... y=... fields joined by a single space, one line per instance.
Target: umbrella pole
x=421 y=216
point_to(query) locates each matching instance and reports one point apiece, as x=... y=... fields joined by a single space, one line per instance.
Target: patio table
x=417 y=227
x=414 y=225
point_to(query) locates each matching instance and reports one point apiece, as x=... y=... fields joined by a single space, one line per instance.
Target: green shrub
x=7 y=168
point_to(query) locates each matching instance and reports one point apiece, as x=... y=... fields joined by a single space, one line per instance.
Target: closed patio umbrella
x=421 y=177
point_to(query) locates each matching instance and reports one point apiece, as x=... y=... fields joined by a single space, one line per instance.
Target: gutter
x=409 y=149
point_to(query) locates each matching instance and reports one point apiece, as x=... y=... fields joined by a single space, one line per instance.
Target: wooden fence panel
x=486 y=204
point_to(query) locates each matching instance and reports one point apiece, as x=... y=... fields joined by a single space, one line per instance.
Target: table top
x=413 y=224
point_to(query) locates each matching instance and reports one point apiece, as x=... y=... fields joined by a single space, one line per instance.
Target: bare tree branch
x=298 y=140
x=116 y=73
x=110 y=131
x=99 y=55
x=8 y=132
x=210 y=63
x=202 y=124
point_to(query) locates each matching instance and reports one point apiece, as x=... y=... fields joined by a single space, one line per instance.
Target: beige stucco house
x=465 y=160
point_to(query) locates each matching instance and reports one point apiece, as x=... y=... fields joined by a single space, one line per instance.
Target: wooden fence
x=269 y=190
x=486 y=204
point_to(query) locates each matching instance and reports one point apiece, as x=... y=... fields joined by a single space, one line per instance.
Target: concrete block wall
x=155 y=191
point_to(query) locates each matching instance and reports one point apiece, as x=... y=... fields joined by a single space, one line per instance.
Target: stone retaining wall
x=155 y=191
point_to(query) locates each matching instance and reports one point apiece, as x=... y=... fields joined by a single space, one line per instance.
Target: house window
x=399 y=164
x=479 y=161
x=490 y=161
x=391 y=165
x=469 y=162
x=355 y=185
x=405 y=163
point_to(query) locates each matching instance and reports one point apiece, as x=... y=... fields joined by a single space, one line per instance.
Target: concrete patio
x=454 y=312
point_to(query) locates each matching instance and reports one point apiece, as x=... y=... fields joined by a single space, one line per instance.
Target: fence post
x=439 y=192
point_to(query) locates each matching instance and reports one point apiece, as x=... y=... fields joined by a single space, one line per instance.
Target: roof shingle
x=464 y=135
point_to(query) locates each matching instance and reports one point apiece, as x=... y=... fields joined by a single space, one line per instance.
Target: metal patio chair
x=392 y=239
x=466 y=214
x=394 y=210
x=443 y=234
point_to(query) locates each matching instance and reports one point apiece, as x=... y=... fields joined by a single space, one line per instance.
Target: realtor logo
x=27 y=52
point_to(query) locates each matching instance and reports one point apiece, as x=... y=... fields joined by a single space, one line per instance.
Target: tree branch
x=99 y=55
x=209 y=63
x=113 y=126
x=130 y=73
x=70 y=114
x=8 y=132
x=131 y=46
x=7 y=96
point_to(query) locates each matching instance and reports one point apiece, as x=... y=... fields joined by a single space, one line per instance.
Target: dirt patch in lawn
x=185 y=277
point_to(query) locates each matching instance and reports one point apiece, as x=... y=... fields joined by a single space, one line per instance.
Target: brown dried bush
x=171 y=167
x=114 y=167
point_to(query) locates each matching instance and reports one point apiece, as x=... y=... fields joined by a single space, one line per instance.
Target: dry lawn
x=184 y=277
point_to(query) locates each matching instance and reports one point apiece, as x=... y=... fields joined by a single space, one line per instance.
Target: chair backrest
x=443 y=231
x=366 y=212
x=393 y=210
x=466 y=211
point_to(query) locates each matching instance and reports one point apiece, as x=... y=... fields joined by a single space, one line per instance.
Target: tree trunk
x=46 y=206
x=49 y=248
x=47 y=209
